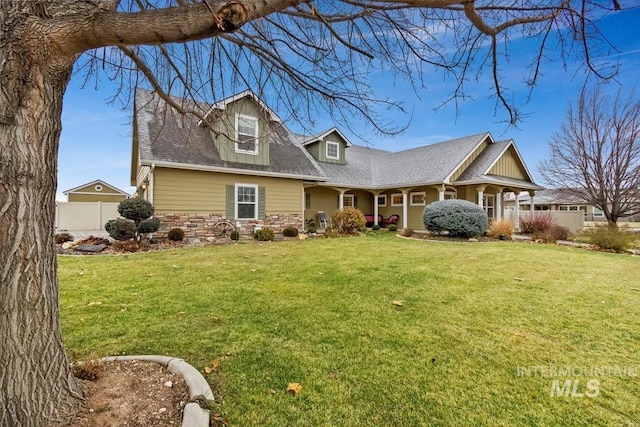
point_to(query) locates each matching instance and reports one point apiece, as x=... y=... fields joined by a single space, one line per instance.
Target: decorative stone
x=67 y=245
x=90 y=248
x=168 y=384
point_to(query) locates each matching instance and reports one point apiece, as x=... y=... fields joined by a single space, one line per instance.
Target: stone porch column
x=441 y=190
x=341 y=200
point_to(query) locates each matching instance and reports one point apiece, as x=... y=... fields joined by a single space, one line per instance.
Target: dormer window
x=333 y=150
x=246 y=134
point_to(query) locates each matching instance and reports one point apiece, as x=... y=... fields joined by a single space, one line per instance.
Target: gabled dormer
x=241 y=127
x=328 y=147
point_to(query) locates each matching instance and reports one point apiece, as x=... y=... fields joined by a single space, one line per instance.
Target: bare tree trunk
x=36 y=384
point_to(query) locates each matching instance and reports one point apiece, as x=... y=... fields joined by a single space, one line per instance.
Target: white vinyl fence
x=573 y=220
x=74 y=216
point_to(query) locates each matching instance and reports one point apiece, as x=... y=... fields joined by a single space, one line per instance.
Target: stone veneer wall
x=201 y=225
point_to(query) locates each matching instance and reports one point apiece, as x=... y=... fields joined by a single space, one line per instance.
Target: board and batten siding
x=189 y=191
x=508 y=165
x=469 y=160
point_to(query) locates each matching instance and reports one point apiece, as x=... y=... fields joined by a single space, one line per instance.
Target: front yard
x=480 y=333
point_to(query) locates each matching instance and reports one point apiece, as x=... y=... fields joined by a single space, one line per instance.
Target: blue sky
x=96 y=137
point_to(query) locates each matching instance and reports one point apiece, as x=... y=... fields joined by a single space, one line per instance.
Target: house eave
x=220 y=169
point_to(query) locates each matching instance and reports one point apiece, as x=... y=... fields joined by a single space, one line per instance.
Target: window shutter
x=262 y=197
x=231 y=202
x=355 y=201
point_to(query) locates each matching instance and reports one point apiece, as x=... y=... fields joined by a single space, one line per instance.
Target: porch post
x=341 y=200
x=532 y=205
x=480 y=196
x=499 y=204
x=405 y=210
x=516 y=222
x=375 y=208
x=441 y=190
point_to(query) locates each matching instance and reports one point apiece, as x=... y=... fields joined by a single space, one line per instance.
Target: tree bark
x=36 y=384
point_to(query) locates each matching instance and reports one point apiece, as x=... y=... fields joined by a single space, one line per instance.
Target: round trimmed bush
x=135 y=209
x=392 y=228
x=458 y=218
x=375 y=227
x=176 y=235
x=290 y=232
x=149 y=225
x=264 y=235
x=234 y=235
x=121 y=229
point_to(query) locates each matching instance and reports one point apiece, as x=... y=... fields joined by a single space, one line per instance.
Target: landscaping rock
x=90 y=248
x=68 y=245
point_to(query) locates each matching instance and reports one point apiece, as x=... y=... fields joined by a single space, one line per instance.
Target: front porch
x=408 y=202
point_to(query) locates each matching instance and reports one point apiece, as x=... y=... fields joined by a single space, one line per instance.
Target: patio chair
x=322 y=219
x=393 y=219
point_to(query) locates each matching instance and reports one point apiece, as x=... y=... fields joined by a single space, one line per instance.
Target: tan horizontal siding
x=188 y=191
x=110 y=198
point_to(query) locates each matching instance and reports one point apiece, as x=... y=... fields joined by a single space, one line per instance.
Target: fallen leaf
x=253 y=270
x=294 y=388
x=215 y=364
x=92 y=303
x=151 y=274
x=272 y=391
x=397 y=303
x=519 y=279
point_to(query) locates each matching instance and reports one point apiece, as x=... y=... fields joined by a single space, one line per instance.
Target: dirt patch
x=133 y=394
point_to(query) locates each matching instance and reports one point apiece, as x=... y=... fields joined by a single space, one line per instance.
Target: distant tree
x=595 y=156
x=311 y=57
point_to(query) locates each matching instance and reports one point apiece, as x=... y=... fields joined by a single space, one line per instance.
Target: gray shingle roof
x=165 y=136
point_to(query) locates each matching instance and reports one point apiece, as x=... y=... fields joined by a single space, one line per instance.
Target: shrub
x=392 y=227
x=501 y=227
x=139 y=211
x=135 y=209
x=176 y=234
x=348 y=221
x=611 y=238
x=459 y=218
x=553 y=234
x=121 y=229
x=407 y=232
x=264 y=235
x=375 y=227
x=290 y=232
x=234 y=235
x=63 y=237
x=311 y=229
x=148 y=225
x=536 y=223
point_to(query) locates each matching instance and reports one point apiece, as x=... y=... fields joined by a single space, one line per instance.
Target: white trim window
x=597 y=212
x=396 y=199
x=450 y=195
x=246 y=134
x=333 y=150
x=246 y=201
x=348 y=200
x=417 y=198
x=489 y=205
x=382 y=200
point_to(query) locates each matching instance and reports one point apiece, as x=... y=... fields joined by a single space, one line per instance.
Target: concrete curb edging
x=199 y=389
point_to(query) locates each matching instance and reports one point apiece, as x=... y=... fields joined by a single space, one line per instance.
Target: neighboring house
x=96 y=191
x=88 y=207
x=556 y=199
x=248 y=167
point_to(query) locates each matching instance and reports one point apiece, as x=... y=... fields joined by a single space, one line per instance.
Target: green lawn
x=319 y=312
